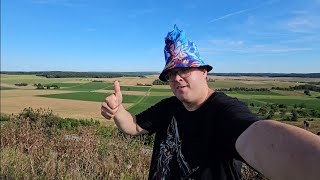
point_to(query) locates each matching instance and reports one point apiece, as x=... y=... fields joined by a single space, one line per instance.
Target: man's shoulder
x=221 y=97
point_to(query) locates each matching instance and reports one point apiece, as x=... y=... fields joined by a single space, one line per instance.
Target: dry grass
x=30 y=150
x=13 y=101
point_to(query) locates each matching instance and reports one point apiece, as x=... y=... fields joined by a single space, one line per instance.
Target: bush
x=21 y=84
x=4 y=117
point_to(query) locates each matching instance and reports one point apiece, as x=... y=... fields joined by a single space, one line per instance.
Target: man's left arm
x=280 y=151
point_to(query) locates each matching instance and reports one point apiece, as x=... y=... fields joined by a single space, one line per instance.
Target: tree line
x=305 y=75
x=71 y=74
x=285 y=112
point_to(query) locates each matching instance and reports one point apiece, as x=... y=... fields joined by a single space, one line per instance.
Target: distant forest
x=70 y=74
x=306 y=75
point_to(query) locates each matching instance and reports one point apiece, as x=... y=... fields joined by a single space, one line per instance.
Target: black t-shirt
x=196 y=144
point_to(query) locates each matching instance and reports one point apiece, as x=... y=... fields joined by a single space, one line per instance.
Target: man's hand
x=110 y=106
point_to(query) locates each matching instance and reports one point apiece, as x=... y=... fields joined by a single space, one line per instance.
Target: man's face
x=188 y=84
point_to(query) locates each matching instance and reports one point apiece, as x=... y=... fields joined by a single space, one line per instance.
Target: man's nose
x=177 y=77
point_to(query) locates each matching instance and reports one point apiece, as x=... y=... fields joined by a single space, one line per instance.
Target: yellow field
x=14 y=101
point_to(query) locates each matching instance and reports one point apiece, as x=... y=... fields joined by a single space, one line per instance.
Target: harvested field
x=129 y=81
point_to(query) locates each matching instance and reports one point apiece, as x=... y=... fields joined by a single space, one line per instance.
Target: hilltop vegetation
x=38 y=144
x=70 y=74
x=305 y=75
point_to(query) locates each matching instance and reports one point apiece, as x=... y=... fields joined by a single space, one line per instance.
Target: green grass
x=249 y=93
x=147 y=102
x=91 y=86
x=311 y=103
x=64 y=84
x=130 y=88
x=6 y=88
x=160 y=90
x=91 y=96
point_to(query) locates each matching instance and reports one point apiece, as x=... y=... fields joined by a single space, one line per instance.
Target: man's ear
x=205 y=72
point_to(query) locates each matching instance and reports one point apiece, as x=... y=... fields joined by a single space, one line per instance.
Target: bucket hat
x=180 y=52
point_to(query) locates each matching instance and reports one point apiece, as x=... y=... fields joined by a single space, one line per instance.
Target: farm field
x=81 y=97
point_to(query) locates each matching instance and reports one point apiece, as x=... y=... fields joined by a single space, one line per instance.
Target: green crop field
x=130 y=88
x=160 y=90
x=91 y=96
x=91 y=86
x=249 y=93
x=146 y=103
x=87 y=92
x=6 y=88
x=63 y=85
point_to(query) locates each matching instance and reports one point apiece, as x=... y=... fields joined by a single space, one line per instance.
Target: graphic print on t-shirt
x=168 y=149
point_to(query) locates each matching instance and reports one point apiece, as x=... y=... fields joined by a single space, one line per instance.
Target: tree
x=283 y=113
x=307 y=92
x=294 y=115
x=302 y=105
x=263 y=110
x=271 y=114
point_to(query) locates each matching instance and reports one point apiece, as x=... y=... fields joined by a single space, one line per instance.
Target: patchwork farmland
x=38 y=143
x=81 y=97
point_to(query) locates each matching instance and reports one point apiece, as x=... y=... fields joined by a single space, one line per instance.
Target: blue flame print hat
x=180 y=52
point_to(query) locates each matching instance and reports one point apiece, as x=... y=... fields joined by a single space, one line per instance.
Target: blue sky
x=263 y=36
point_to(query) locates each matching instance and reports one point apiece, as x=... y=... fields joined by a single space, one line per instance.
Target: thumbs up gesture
x=110 y=106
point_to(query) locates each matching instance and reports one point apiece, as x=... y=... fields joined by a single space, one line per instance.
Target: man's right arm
x=127 y=123
x=112 y=108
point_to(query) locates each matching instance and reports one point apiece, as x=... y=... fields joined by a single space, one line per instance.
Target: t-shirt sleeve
x=236 y=119
x=152 y=118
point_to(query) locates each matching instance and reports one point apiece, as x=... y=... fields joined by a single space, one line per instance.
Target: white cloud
x=238 y=46
x=303 y=24
x=229 y=15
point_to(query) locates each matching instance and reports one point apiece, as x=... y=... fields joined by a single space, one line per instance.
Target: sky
x=252 y=36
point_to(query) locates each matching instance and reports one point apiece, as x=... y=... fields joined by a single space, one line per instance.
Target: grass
x=249 y=93
x=91 y=96
x=130 y=88
x=63 y=85
x=91 y=86
x=310 y=103
x=30 y=150
x=147 y=102
x=160 y=90
x=6 y=88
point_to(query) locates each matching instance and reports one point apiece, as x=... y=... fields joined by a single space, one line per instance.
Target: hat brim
x=163 y=73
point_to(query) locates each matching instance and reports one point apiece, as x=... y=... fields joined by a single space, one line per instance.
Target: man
x=200 y=132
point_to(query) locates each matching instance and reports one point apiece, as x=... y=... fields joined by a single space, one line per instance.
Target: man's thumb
x=117 y=91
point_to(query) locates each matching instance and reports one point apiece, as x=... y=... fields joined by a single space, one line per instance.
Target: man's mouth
x=180 y=87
